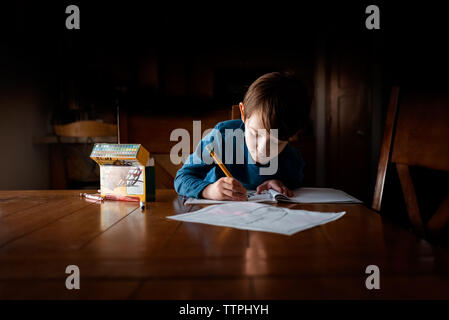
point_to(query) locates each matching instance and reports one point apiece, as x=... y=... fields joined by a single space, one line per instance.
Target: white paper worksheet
x=259 y=217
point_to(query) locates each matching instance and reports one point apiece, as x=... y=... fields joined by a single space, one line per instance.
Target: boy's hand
x=225 y=188
x=275 y=185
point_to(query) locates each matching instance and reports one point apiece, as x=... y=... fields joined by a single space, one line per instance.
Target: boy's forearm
x=190 y=186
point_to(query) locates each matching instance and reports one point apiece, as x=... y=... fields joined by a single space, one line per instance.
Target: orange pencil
x=218 y=161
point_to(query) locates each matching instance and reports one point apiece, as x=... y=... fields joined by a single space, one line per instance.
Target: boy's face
x=260 y=142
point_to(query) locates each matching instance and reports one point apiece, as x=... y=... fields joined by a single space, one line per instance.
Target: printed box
x=125 y=170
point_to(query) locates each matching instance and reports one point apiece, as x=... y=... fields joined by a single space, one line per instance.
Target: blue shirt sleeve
x=189 y=180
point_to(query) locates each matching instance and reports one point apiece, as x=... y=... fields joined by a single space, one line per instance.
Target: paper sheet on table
x=301 y=195
x=258 y=217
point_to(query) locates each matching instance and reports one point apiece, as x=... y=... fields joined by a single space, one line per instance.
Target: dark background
x=195 y=58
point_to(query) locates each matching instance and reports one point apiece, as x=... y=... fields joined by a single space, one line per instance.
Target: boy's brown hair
x=283 y=101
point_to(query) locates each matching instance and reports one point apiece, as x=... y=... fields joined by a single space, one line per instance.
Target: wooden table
x=125 y=253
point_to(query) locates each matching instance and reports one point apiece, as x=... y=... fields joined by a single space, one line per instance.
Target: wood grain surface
x=123 y=252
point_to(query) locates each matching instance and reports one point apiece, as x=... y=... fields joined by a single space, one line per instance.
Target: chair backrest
x=416 y=134
x=422 y=131
x=235 y=112
x=89 y=128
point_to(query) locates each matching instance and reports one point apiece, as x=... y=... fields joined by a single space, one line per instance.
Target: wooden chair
x=70 y=162
x=235 y=112
x=416 y=134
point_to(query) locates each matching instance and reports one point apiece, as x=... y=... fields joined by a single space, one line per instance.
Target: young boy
x=273 y=101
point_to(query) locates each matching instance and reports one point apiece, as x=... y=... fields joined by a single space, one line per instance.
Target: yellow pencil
x=217 y=161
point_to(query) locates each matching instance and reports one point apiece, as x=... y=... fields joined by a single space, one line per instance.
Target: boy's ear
x=242 y=108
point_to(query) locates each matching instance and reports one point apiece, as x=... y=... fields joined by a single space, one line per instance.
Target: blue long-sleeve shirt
x=198 y=172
